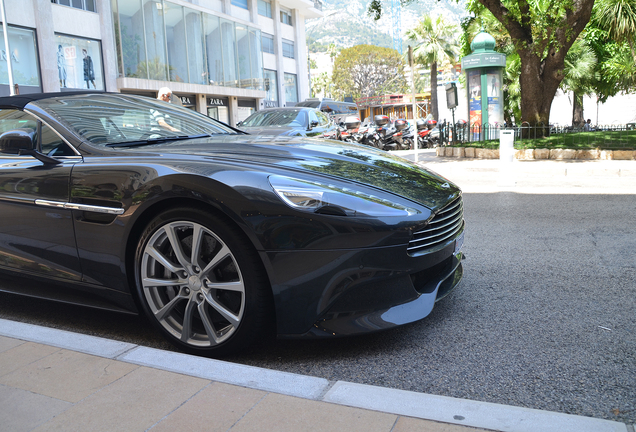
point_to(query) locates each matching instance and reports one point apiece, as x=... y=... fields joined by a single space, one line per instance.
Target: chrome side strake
x=81 y=207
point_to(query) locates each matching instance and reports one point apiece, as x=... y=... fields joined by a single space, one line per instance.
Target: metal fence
x=542 y=136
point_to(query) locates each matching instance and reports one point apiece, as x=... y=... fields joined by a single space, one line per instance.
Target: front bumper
x=337 y=322
x=347 y=292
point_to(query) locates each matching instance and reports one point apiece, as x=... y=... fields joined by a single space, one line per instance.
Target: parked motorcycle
x=409 y=138
x=428 y=133
x=350 y=130
x=390 y=134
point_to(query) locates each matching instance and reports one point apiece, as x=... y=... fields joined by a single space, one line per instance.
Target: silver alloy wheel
x=192 y=283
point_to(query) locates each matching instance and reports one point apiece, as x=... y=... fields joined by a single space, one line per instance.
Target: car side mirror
x=313 y=124
x=17 y=141
x=22 y=142
x=239 y=124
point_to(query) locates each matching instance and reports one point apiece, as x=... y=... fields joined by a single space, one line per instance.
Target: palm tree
x=618 y=17
x=580 y=64
x=435 y=44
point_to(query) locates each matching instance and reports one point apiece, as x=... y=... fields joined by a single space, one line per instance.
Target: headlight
x=326 y=198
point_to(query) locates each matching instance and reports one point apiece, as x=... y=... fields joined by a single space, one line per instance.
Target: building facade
x=222 y=58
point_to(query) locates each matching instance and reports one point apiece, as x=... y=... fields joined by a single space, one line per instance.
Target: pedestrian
x=588 y=125
x=165 y=95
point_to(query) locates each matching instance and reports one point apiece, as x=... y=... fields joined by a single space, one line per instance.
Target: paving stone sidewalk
x=53 y=380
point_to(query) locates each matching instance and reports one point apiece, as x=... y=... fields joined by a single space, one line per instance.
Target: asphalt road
x=545 y=317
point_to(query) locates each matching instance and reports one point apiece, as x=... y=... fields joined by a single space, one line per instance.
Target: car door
x=36 y=231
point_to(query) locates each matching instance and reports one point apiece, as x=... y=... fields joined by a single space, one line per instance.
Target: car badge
x=445 y=185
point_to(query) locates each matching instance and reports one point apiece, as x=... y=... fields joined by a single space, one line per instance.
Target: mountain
x=346 y=22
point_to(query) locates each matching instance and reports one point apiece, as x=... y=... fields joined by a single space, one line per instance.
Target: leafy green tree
x=618 y=17
x=434 y=44
x=613 y=45
x=320 y=84
x=367 y=70
x=580 y=66
x=542 y=32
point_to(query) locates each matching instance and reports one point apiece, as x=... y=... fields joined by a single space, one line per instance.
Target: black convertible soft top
x=20 y=101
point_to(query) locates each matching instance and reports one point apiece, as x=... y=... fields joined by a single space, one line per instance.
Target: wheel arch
x=151 y=211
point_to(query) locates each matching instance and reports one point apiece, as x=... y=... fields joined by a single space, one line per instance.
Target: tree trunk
x=577 y=110
x=434 y=109
x=538 y=89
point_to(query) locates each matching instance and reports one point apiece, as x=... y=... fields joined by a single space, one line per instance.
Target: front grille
x=442 y=227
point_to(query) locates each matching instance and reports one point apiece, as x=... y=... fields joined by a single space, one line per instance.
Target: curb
x=401 y=402
x=538 y=154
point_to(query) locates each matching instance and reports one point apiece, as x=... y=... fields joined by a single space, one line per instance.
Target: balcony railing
x=401 y=99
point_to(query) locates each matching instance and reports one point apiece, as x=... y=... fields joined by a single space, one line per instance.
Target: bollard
x=506 y=145
x=506 y=156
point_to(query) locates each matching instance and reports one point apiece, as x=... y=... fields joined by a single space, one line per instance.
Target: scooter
x=408 y=138
x=390 y=134
x=428 y=133
x=350 y=130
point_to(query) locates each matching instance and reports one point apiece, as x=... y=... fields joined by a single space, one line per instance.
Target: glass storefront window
x=24 y=59
x=256 y=59
x=212 y=35
x=196 y=52
x=228 y=46
x=176 y=41
x=155 y=41
x=271 y=87
x=243 y=44
x=79 y=63
x=129 y=32
x=160 y=40
x=291 y=89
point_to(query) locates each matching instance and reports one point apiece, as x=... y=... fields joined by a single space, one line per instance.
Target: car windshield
x=310 y=104
x=108 y=119
x=292 y=117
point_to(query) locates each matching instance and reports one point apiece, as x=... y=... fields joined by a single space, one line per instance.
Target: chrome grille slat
x=459 y=209
x=442 y=228
x=454 y=231
x=453 y=226
x=450 y=222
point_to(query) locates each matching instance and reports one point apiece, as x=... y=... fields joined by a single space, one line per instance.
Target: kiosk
x=484 y=77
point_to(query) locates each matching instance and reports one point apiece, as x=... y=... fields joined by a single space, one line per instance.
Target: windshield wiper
x=158 y=140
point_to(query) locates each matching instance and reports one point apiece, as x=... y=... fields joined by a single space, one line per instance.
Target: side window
x=322 y=118
x=52 y=145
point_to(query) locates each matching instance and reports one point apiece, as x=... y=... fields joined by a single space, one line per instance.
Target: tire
x=218 y=304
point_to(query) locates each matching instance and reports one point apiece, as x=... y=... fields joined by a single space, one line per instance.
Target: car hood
x=274 y=130
x=357 y=163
